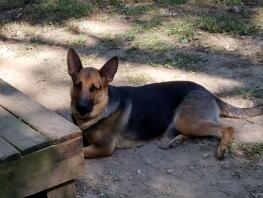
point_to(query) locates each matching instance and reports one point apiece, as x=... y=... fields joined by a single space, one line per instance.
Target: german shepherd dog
x=124 y=117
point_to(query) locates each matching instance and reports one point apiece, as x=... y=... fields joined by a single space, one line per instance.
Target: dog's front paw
x=164 y=143
x=164 y=146
x=220 y=154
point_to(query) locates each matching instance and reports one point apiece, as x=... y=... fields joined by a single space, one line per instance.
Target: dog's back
x=152 y=106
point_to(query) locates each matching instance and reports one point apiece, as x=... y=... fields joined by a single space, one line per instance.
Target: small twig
x=150 y=60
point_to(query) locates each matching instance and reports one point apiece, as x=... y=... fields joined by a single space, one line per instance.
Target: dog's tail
x=229 y=111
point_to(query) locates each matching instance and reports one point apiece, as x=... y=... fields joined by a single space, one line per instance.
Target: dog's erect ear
x=109 y=69
x=74 y=63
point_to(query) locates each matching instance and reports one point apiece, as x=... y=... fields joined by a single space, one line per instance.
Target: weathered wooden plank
x=39 y=117
x=66 y=190
x=42 y=170
x=7 y=152
x=20 y=135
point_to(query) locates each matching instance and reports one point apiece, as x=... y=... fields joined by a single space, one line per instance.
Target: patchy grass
x=205 y=143
x=56 y=11
x=151 y=48
x=152 y=42
x=130 y=52
x=121 y=37
x=183 y=61
x=133 y=10
x=228 y=2
x=90 y=60
x=246 y=93
x=142 y=26
x=111 y=38
x=139 y=27
x=226 y=23
x=183 y=30
x=154 y=32
x=249 y=150
x=172 y=2
x=115 y=40
x=139 y=79
x=17 y=29
x=258 y=17
x=10 y=4
x=249 y=93
x=131 y=2
x=81 y=42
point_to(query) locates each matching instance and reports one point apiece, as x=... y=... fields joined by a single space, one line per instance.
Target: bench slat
x=7 y=152
x=39 y=117
x=20 y=135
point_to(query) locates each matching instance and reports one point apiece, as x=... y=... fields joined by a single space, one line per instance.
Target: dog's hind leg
x=227 y=136
x=198 y=115
x=208 y=128
x=224 y=133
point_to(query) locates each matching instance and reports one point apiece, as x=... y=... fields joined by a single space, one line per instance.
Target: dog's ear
x=109 y=69
x=74 y=63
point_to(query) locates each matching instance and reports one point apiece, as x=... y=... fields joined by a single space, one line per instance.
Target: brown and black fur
x=123 y=117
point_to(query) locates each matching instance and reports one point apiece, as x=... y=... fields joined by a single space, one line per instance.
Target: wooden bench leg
x=66 y=190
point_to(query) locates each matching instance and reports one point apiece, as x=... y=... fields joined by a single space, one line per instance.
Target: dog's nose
x=83 y=107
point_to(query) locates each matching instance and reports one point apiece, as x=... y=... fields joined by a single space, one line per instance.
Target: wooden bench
x=39 y=150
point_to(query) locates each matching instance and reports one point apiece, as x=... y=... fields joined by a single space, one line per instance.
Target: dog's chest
x=105 y=130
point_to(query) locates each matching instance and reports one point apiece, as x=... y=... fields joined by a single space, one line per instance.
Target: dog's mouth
x=83 y=116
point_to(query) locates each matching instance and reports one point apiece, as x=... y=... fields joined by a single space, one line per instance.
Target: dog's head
x=89 y=93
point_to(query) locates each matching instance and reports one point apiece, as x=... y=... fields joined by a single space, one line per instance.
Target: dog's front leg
x=93 y=151
x=169 y=137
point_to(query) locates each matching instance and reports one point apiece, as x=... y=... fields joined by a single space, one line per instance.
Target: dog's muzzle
x=83 y=107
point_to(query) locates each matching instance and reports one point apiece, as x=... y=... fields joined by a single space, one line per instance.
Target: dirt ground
x=33 y=59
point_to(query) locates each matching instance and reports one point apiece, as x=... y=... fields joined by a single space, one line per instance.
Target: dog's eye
x=93 y=88
x=78 y=85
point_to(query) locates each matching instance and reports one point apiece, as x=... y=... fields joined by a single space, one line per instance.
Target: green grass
x=228 y=2
x=151 y=48
x=161 y=55
x=130 y=2
x=10 y=4
x=250 y=150
x=184 y=30
x=52 y=12
x=130 y=52
x=141 y=26
x=81 y=42
x=226 y=23
x=115 y=39
x=171 y=2
x=133 y=10
x=183 y=61
x=248 y=93
x=205 y=143
x=152 y=42
x=139 y=79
